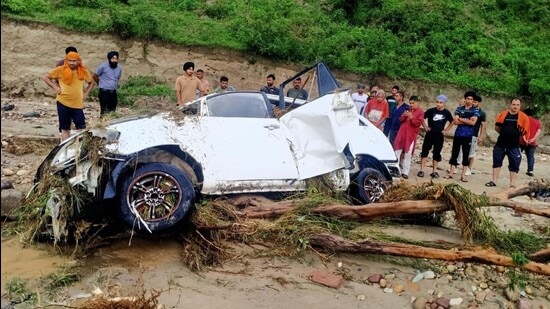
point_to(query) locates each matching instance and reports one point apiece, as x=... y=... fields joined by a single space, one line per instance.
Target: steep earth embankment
x=29 y=50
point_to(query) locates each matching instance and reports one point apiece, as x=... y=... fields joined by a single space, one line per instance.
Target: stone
x=10 y=199
x=22 y=172
x=31 y=114
x=388 y=290
x=6 y=184
x=374 y=278
x=501 y=269
x=8 y=107
x=455 y=301
x=383 y=283
x=528 y=290
x=412 y=287
x=511 y=295
x=361 y=297
x=483 y=285
x=451 y=268
x=327 y=279
x=418 y=277
x=480 y=297
x=443 y=302
x=389 y=276
x=523 y=304
x=8 y=172
x=398 y=288
x=419 y=303
x=428 y=274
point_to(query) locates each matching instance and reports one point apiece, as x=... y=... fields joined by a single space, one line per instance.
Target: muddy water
x=27 y=262
x=33 y=262
x=140 y=253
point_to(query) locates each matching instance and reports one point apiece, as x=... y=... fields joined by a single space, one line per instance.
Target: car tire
x=155 y=199
x=370 y=184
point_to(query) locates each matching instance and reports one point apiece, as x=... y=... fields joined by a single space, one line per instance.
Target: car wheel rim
x=154 y=196
x=374 y=188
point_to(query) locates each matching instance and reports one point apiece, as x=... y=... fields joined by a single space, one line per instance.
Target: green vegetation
x=18 y=292
x=136 y=86
x=493 y=46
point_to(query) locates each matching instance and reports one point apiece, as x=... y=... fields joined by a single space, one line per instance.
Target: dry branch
x=340 y=244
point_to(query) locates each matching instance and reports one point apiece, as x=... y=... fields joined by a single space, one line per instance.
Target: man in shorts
x=437 y=117
x=68 y=83
x=512 y=124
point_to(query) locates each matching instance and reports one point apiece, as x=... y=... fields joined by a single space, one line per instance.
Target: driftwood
x=541 y=256
x=344 y=245
x=259 y=207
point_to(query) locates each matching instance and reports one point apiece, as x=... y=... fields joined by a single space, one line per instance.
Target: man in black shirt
x=437 y=117
x=512 y=124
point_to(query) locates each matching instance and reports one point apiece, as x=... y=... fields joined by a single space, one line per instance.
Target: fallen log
x=379 y=210
x=340 y=244
x=541 y=256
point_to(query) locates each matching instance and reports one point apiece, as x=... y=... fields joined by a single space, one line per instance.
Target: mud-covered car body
x=154 y=167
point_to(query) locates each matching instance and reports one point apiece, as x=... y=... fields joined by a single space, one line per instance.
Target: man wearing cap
x=479 y=132
x=437 y=117
x=107 y=76
x=187 y=84
x=360 y=98
x=70 y=92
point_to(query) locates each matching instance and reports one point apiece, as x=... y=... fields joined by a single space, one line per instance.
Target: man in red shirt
x=530 y=145
x=377 y=110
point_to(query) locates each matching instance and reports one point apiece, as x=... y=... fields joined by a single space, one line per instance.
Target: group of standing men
x=67 y=81
x=401 y=122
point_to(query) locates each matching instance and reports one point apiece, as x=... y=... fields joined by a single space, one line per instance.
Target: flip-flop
x=449 y=176
x=464 y=179
x=491 y=184
x=420 y=174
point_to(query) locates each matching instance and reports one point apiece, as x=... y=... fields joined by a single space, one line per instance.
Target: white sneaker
x=468 y=172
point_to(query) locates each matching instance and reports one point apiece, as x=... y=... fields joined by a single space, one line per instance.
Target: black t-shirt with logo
x=509 y=132
x=482 y=117
x=437 y=119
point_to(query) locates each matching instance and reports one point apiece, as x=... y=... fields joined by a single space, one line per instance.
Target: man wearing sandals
x=512 y=124
x=465 y=118
x=437 y=117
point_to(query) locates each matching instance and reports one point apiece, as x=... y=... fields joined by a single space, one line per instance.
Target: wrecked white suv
x=154 y=168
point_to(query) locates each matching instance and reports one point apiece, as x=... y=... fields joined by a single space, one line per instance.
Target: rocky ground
x=128 y=267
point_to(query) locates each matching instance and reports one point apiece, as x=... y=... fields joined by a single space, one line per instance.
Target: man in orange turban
x=70 y=92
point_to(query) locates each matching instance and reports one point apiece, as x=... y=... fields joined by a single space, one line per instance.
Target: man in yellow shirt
x=70 y=92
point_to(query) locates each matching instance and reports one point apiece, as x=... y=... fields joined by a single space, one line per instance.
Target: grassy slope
x=497 y=46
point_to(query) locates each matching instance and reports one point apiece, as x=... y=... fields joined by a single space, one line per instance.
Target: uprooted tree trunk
x=259 y=207
x=344 y=245
x=263 y=208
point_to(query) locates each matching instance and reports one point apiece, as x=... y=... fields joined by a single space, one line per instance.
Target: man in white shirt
x=360 y=98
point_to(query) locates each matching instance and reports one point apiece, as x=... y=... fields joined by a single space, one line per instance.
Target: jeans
x=530 y=154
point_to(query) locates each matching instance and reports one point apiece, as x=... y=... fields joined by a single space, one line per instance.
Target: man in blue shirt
x=269 y=87
x=401 y=106
x=107 y=76
x=465 y=119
